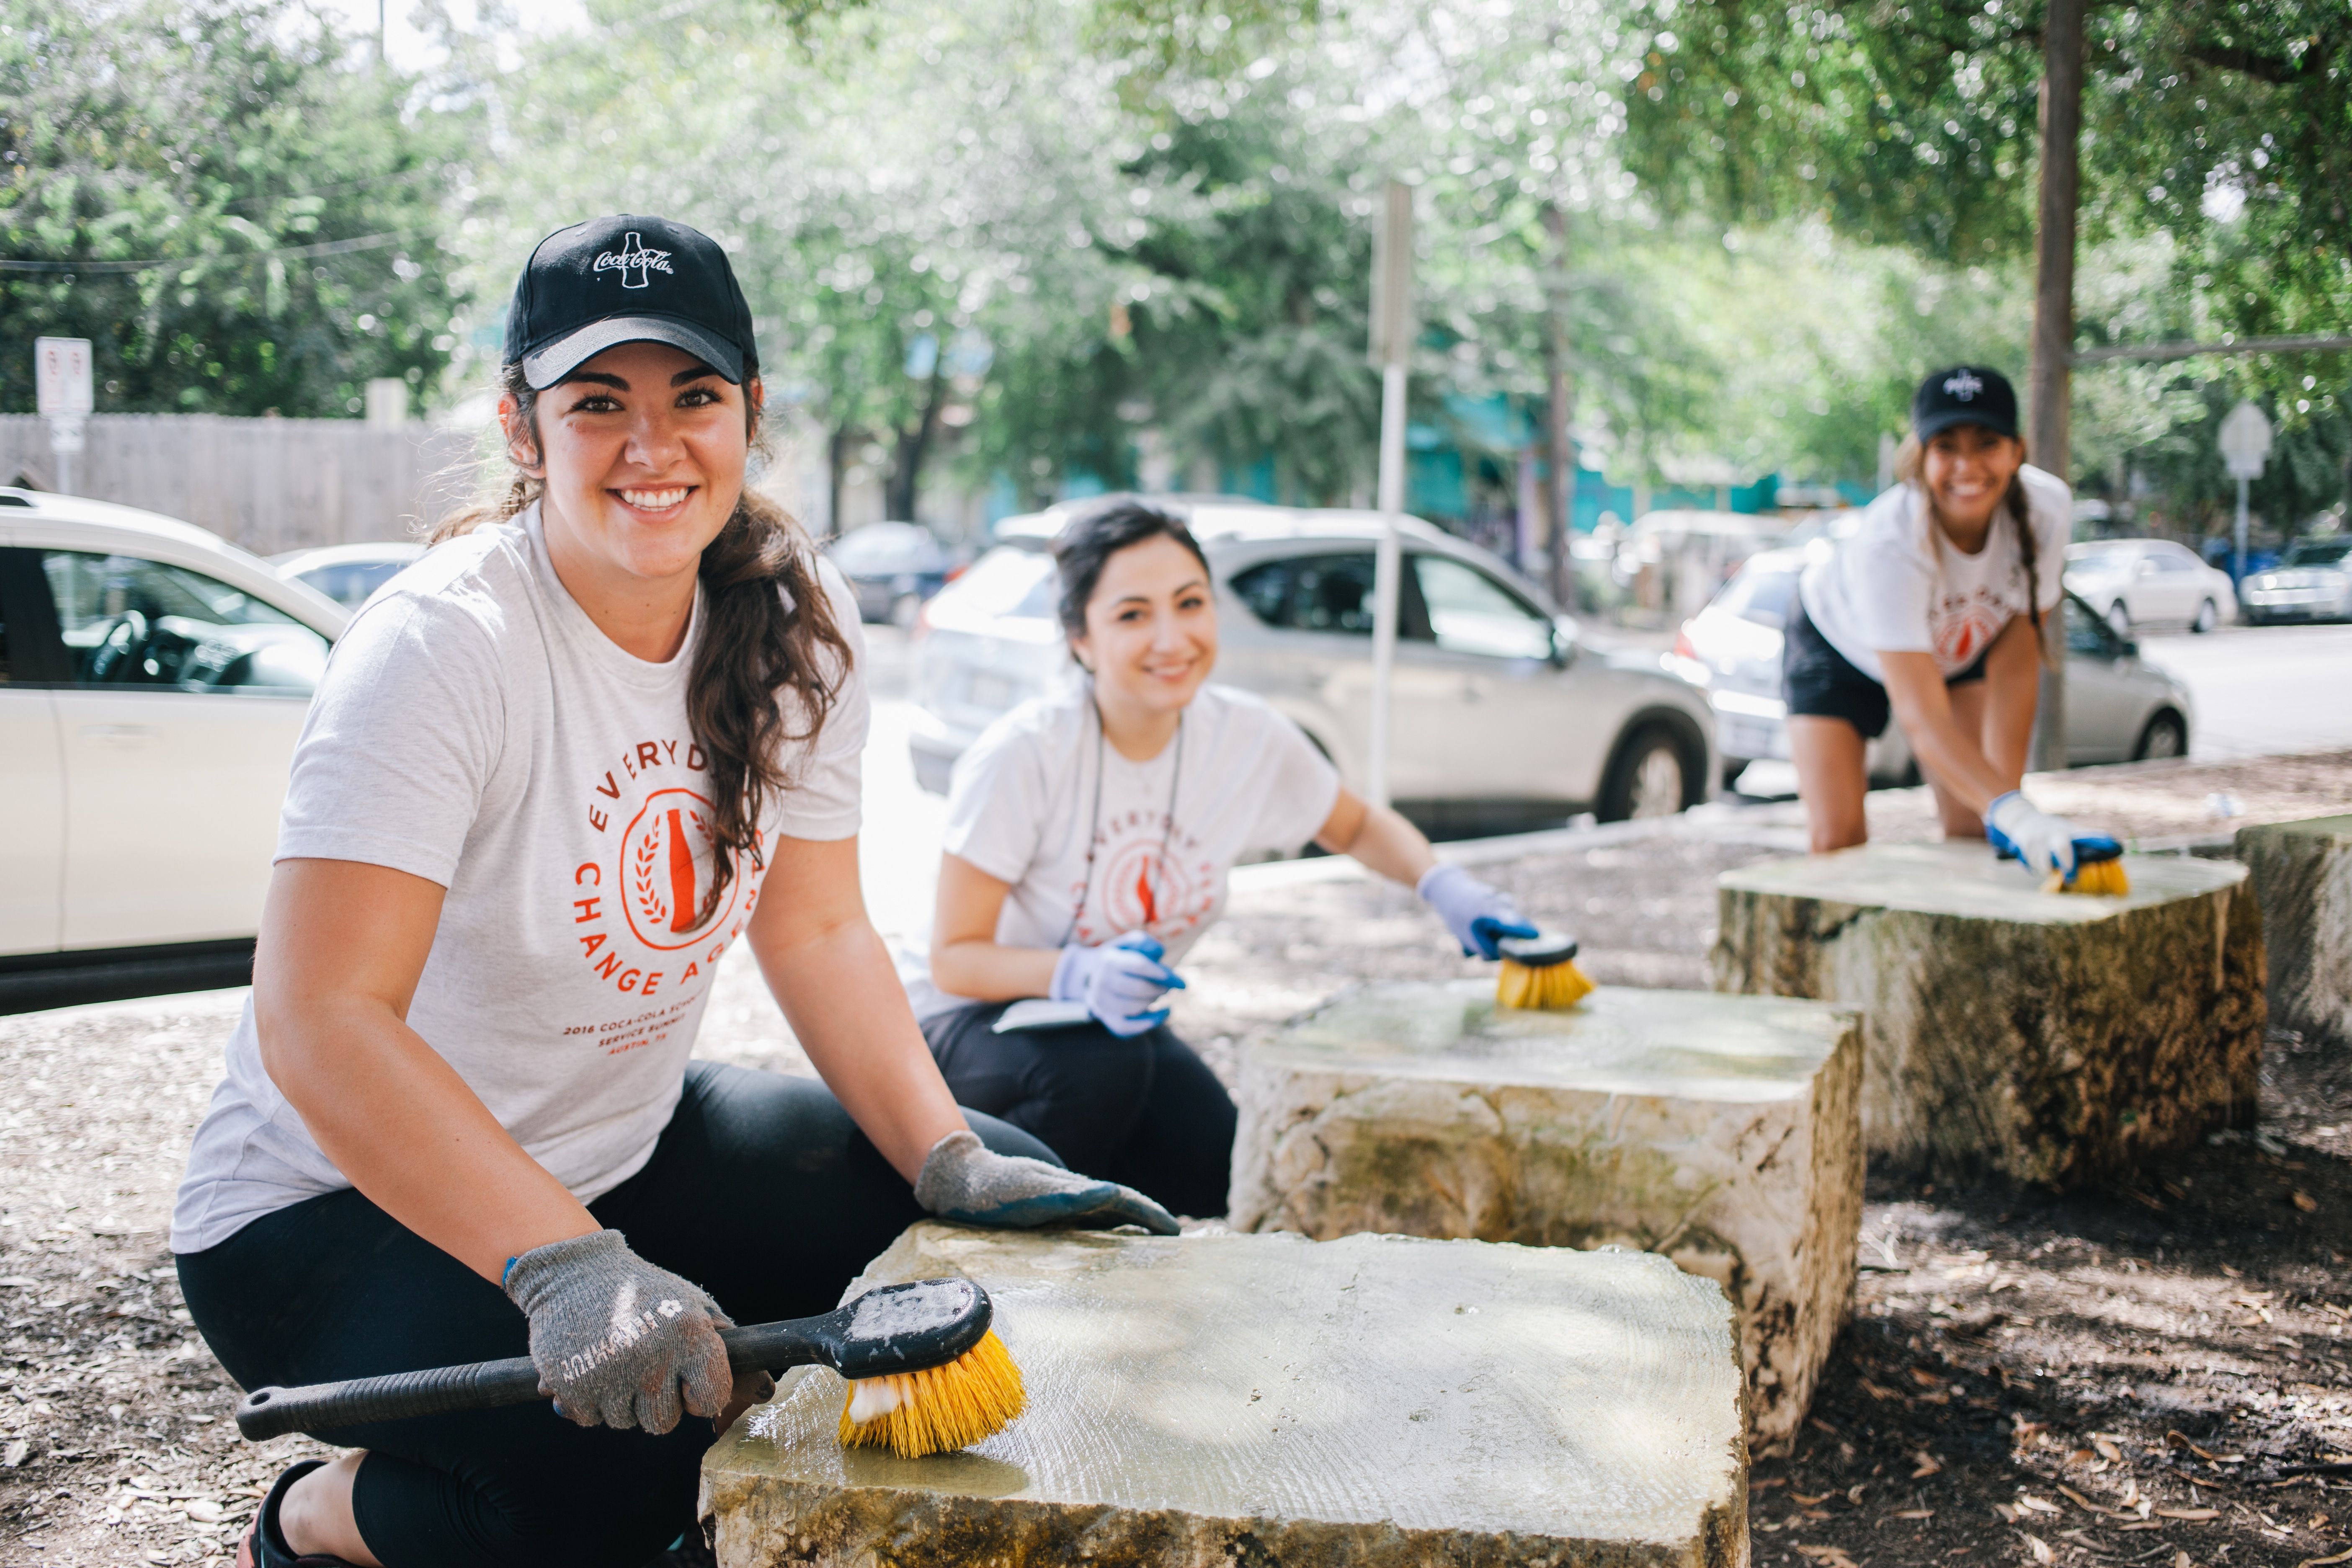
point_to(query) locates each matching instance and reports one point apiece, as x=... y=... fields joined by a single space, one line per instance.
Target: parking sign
x=61 y=374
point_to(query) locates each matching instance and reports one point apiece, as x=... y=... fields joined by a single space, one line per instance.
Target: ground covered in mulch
x=2155 y=1373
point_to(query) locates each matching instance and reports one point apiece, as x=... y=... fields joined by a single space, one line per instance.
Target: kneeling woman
x=1932 y=611
x=555 y=770
x=1088 y=840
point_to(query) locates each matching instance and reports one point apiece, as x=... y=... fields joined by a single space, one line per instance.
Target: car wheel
x=2119 y=619
x=2166 y=736
x=1732 y=770
x=1652 y=776
x=2209 y=615
x=904 y=609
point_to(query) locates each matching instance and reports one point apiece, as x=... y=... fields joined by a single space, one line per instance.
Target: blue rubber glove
x=963 y=1179
x=1476 y=913
x=1121 y=983
x=2019 y=830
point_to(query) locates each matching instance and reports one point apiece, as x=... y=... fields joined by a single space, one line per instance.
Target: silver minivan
x=1500 y=717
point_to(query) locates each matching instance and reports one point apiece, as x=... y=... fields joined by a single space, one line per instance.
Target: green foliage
x=296 y=195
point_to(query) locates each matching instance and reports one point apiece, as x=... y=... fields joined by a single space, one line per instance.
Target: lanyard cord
x=1094 y=822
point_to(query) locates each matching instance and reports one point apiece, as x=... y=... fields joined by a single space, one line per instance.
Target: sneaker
x=264 y=1546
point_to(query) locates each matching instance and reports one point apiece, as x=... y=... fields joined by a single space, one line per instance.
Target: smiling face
x=1966 y=469
x=642 y=450
x=1151 y=628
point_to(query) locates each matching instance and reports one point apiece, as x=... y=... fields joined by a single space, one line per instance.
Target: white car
x=348 y=573
x=157 y=679
x=2118 y=709
x=2313 y=581
x=1499 y=717
x=2142 y=581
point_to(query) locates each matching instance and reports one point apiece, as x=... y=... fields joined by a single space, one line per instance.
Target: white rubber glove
x=1121 y=983
x=1474 y=913
x=2014 y=825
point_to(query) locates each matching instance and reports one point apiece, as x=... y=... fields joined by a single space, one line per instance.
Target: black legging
x=1146 y=1110
x=762 y=1190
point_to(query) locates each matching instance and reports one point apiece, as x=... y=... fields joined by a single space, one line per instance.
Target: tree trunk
x=836 y=458
x=913 y=442
x=1560 y=492
x=2053 y=320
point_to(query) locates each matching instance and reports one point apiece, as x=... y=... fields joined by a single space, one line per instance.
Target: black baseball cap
x=626 y=280
x=1964 y=394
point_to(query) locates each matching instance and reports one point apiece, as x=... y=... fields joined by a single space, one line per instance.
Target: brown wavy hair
x=1911 y=467
x=760 y=650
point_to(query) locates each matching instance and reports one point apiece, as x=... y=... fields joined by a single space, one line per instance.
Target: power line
x=285 y=253
x=2309 y=343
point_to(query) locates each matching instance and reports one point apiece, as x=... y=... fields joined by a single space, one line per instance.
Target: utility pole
x=2047 y=376
x=1392 y=351
x=1560 y=494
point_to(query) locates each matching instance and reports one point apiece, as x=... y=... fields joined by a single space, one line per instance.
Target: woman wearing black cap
x=1933 y=610
x=555 y=770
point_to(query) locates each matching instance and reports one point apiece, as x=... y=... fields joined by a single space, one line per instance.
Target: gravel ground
x=2151 y=1373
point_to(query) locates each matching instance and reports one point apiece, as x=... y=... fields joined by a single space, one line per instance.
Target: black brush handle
x=480 y=1386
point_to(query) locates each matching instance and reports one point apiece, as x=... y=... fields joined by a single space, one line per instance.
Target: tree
x=241 y=215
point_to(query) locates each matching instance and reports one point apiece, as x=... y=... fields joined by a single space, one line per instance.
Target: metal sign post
x=2245 y=447
x=1392 y=347
x=62 y=392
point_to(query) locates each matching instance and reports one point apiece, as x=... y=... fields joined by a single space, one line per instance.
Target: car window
x=348 y=583
x=2087 y=634
x=1469 y=612
x=1759 y=596
x=1311 y=592
x=128 y=621
x=2318 y=553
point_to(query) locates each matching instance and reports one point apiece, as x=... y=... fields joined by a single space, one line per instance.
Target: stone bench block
x=2302 y=874
x=1211 y=1400
x=2049 y=1036
x=1722 y=1132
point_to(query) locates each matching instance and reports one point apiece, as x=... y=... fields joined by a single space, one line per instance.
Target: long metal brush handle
x=479 y=1386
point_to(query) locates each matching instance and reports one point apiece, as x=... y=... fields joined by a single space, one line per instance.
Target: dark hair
x=1911 y=467
x=1089 y=540
x=758 y=648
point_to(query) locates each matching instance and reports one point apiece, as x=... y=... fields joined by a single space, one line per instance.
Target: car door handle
x=119 y=734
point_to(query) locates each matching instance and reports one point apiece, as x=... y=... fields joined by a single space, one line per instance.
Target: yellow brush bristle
x=1552 y=988
x=947 y=1407
x=2100 y=879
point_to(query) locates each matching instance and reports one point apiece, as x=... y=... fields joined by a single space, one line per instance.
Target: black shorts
x=1819 y=682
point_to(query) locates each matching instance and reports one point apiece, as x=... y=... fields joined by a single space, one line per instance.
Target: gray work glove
x=964 y=1179
x=614 y=1338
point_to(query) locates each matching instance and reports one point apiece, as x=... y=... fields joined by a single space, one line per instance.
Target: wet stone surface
x=2043 y=1036
x=1721 y=1132
x=1214 y=1398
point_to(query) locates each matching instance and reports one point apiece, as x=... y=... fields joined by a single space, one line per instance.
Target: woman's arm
x=1378 y=838
x=834 y=979
x=966 y=958
x=1974 y=769
x=341 y=946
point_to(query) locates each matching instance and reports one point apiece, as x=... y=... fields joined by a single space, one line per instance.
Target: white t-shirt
x=1022 y=808
x=1897 y=585
x=476 y=728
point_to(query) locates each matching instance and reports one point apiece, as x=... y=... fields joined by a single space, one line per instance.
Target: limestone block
x=1722 y=1132
x=2050 y=1036
x=1212 y=1400
x=2302 y=874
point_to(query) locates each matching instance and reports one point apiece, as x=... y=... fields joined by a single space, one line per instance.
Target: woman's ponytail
x=2029 y=548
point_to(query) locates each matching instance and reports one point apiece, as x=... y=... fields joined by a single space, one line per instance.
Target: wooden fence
x=269 y=485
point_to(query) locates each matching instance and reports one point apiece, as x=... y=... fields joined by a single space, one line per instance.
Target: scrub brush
x=1537 y=973
x=2098 y=870
x=927 y=1349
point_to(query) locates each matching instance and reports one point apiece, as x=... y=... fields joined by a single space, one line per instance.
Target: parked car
x=2118 y=709
x=157 y=679
x=893 y=567
x=1674 y=561
x=1499 y=716
x=348 y=573
x=2137 y=581
x=2313 y=581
